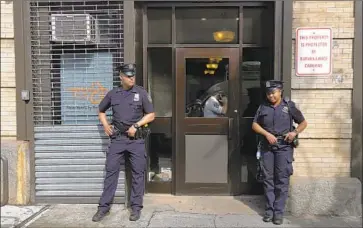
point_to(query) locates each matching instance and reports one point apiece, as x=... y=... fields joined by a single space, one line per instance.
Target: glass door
x=207 y=157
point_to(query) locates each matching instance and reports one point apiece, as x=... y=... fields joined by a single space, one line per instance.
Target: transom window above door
x=205 y=25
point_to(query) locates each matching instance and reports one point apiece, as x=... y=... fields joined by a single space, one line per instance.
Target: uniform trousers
x=277 y=169
x=114 y=159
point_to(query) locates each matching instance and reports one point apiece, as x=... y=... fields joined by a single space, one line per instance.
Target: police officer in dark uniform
x=273 y=123
x=132 y=109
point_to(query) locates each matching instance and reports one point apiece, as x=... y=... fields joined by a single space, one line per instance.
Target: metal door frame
x=231 y=122
x=161 y=123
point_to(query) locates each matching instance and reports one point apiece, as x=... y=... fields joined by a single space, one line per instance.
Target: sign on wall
x=85 y=80
x=313 y=56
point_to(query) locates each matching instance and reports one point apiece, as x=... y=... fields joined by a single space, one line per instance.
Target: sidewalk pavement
x=11 y=216
x=171 y=211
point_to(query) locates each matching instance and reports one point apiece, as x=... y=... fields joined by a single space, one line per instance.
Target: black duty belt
x=121 y=127
x=281 y=140
x=118 y=133
x=120 y=130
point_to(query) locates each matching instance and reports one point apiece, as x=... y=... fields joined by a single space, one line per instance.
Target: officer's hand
x=290 y=137
x=108 y=130
x=131 y=132
x=271 y=139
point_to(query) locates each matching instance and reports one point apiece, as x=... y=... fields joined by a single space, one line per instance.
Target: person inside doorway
x=274 y=123
x=216 y=105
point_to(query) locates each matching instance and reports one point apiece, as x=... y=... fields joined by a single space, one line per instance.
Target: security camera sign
x=313 y=55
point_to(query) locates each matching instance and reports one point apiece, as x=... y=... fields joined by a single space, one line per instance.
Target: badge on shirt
x=285 y=109
x=136 y=97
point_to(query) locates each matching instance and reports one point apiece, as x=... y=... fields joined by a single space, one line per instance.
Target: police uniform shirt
x=128 y=106
x=212 y=108
x=276 y=120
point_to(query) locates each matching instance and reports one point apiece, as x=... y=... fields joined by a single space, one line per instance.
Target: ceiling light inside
x=223 y=36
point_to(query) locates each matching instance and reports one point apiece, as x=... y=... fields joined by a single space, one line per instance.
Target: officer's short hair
x=128 y=69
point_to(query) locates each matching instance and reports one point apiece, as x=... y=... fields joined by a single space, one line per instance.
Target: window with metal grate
x=75 y=49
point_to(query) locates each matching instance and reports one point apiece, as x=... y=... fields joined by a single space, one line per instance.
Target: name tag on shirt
x=136 y=97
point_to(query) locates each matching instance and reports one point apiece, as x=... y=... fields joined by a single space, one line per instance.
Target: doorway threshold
x=243 y=204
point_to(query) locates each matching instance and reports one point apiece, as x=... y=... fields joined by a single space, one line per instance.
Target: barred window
x=75 y=50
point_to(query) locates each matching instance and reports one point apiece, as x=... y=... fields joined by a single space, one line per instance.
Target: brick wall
x=326 y=101
x=8 y=103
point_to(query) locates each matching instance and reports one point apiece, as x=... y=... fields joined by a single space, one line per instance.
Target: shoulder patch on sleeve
x=149 y=98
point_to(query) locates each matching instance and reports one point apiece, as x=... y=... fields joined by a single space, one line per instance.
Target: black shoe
x=278 y=221
x=135 y=215
x=267 y=218
x=99 y=216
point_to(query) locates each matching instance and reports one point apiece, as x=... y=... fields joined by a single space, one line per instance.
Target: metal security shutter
x=76 y=47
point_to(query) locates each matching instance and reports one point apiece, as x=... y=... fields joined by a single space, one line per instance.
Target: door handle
x=230 y=128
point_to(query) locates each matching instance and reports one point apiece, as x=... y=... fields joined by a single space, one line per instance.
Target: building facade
x=64 y=54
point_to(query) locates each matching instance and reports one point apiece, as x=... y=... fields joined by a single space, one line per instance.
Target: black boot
x=135 y=215
x=267 y=218
x=99 y=215
x=278 y=220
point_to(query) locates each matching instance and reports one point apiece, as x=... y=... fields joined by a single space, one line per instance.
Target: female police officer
x=131 y=108
x=273 y=121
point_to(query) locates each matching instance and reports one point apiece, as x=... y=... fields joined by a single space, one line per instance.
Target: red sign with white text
x=313 y=52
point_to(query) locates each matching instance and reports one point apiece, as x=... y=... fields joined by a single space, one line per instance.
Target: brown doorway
x=193 y=154
x=206 y=139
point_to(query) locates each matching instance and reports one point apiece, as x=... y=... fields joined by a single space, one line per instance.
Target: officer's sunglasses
x=272 y=91
x=128 y=76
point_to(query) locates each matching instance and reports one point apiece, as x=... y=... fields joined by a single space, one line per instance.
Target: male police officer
x=273 y=121
x=129 y=103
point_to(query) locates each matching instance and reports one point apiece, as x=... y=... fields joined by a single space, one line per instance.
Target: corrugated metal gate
x=76 y=47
